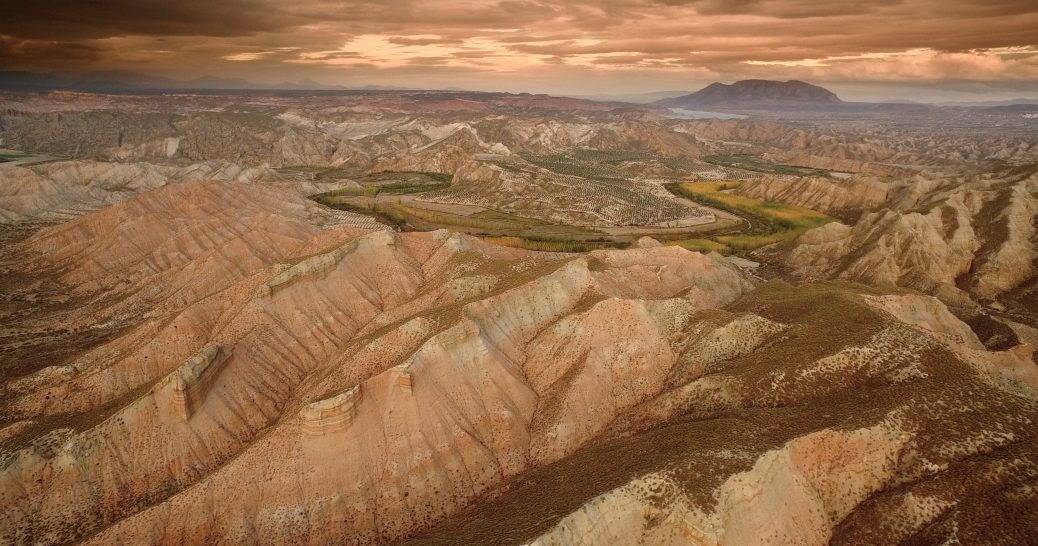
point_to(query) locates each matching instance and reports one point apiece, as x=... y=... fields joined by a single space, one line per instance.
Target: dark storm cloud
x=77 y=19
x=29 y=51
x=711 y=38
x=71 y=20
x=795 y=9
x=801 y=9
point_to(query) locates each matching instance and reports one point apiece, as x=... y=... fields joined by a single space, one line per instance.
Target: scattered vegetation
x=700 y=245
x=12 y=156
x=403 y=182
x=385 y=215
x=591 y=183
x=589 y=163
x=405 y=217
x=328 y=197
x=487 y=220
x=607 y=164
x=611 y=156
x=552 y=244
x=751 y=163
x=371 y=185
x=770 y=222
x=389 y=182
x=402 y=188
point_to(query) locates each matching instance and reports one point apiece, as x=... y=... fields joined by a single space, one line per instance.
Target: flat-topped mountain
x=752 y=94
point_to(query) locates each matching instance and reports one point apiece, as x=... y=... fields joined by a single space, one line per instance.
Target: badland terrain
x=426 y=317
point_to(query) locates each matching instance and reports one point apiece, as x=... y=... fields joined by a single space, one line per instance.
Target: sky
x=863 y=50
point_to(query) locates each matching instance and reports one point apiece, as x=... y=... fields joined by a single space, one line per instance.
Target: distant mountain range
x=741 y=96
x=991 y=103
x=123 y=80
x=637 y=98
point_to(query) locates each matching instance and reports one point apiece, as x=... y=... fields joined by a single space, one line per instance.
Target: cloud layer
x=558 y=45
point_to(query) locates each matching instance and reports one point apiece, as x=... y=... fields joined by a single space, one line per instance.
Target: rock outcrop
x=192 y=381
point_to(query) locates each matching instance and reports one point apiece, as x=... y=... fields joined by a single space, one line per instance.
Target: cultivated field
x=769 y=222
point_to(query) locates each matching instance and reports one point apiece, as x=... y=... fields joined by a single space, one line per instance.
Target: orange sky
x=865 y=50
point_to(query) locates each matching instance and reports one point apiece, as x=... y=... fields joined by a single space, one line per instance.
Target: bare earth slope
x=66 y=189
x=219 y=356
x=311 y=383
x=806 y=442
x=194 y=352
x=962 y=240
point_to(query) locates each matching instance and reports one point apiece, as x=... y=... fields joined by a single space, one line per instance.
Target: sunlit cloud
x=250 y=56
x=559 y=44
x=833 y=59
x=394 y=51
x=919 y=65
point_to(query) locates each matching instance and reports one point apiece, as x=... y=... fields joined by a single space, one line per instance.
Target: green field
x=552 y=244
x=495 y=226
x=389 y=183
x=404 y=182
x=12 y=156
x=486 y=220
x=605 y=165
x=751 y=163
x=407 y=217
x=371 y=184
x=770 y=222
x=327 y=198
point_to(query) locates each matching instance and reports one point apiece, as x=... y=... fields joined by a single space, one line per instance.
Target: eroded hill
x=196 y=348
